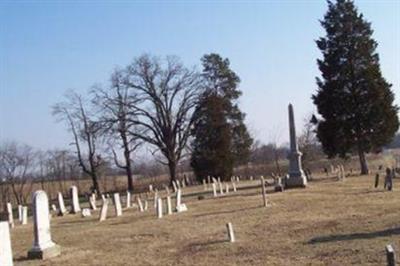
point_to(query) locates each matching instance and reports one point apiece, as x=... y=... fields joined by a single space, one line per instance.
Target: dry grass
x=329 y=223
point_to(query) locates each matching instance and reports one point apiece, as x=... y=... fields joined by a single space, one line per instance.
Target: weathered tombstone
x=20 y=213
x=159 y=208
x=128 y=199
x=151 y=188
x=103 y=210
x=251 y=178
x=183 y=183
x=61 y=205
x=180 y=207
x=226 y=188
x=155 y=199
x=92 y=201
x=174 y=186
x=103 y=197
x=117 y=204
x=43 y=246
x=214 y=189
x=296 y=174
x=10 y=215
x=231 y=234
x=167 y=190
x=5 y=246
x=208 y=179
x=86 y=213
x=24 y=215
x=169 y=205
x=264 y=195
x=376 y=180
x=221 y=190
x=234 y=186
x=139 y=202
x=54 y=208
x=390 y=256
x=146 y=205
x=75 y=208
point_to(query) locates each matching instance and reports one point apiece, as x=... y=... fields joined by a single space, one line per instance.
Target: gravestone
x=390 y=255
x=214 y=189
x=234 y=186
x=10 y=215
x=140 y=205
x=61 y=205
x=296 y=174
x=169 y=205
x=75 y=208
x=20 y=213
x=155 y=199
x=24 y=220
x=92 y=201
x=226 y=188
x=231 y=234
x=221 y=190
x=174 y=186
x=43 y=246
x=103 y=210
x=146 y=205
x=128 y=199
x=54 y=208
x=204 y=184
x=159 y=208
x=117 y=204
x=86 y=213
x=5 y=246
x=180 y=207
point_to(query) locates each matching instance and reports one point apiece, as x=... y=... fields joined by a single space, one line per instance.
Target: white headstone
x=92 y=201
x=61 y=205
x=227 y=188
x=231 y=234
x=181 y=208
x=10 y=215
x=5 y=247
x=24 y=215
x=159 y=208
x=43 y=246
x=178 y=197
x=86 y=212
x=155 y=199
x=214 y=189
x=221 y=190
x=204 y=184
x=103 y=210
x=169 y=205
x=151 y=188
x=139 y=201
x=117 y=204
x=20 y=213
x=234 y=186
x=128 y=199
x=75 y=208
x=146 y=205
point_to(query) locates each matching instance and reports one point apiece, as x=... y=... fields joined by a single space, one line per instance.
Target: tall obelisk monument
x=296 y=176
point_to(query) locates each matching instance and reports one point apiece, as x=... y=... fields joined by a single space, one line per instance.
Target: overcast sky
x=47 y=48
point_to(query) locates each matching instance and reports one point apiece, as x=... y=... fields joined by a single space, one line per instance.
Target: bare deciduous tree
x=85 y=131
x=118 y=120
x=16 y=163
x=168 y=92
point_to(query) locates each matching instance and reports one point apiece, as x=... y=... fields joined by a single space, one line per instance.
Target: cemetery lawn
x=329 y=223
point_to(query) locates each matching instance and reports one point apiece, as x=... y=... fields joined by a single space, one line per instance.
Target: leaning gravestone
x=86 y=213
x=139 y=201
x=214 y=189
x=43 y=246
x=75 y=208
x=61 y=205
x=5 y=246
x=103 y=211
x=92 y=201
x=117 y=204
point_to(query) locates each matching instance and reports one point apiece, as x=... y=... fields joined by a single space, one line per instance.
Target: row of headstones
x=388 y=182
x=43 y=246
x=22 y=215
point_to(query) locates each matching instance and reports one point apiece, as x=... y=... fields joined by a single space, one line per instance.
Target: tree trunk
x=172 y=170
x=363 y=162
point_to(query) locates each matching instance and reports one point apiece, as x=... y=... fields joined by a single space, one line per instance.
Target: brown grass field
x=329 y=223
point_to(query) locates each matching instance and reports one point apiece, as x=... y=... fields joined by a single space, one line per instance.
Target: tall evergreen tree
x=354 y=100
x=221 y=140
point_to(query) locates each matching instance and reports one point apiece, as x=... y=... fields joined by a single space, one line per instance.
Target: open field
x=328 y=223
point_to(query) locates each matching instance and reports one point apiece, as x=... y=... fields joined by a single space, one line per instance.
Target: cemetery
x=163 y=161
